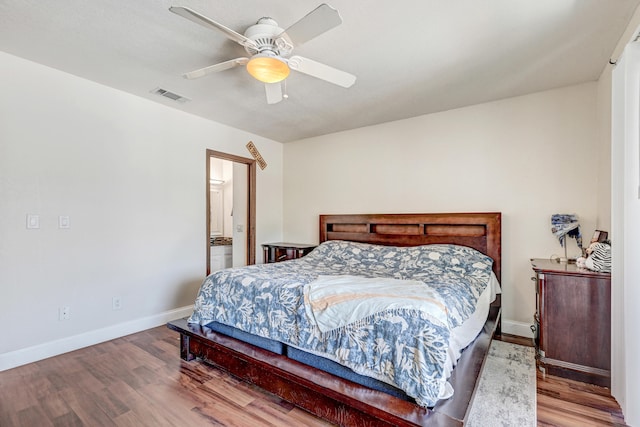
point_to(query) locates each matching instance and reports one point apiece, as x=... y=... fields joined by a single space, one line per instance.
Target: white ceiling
x=411 y=57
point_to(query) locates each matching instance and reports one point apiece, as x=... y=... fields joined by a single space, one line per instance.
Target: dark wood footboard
x=327 y=396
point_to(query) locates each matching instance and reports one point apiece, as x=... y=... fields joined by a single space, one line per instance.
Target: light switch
x=33 y=221
x=239 y=228
x=63 y=221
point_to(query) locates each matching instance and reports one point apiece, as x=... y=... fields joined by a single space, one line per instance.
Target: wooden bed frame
x=342 y=401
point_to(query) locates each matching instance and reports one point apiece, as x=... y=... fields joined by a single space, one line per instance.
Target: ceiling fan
x=270 y=49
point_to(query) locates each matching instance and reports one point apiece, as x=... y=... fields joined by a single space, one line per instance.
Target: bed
x=341 y=398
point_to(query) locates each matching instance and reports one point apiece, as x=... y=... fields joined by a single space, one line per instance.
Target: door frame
x=251 y=204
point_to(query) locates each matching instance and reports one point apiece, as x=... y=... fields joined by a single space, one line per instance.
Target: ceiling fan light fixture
x=268 y=69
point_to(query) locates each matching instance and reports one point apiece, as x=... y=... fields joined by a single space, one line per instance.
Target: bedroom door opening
x=230 y=202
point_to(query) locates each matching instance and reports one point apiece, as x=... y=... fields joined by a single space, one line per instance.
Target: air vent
x=170 y=95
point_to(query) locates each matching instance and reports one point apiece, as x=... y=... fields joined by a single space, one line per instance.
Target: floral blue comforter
x=404 y=348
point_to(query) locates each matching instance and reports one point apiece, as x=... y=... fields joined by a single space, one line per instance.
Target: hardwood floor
x=139 y=380
x=567 y=403
x=563 y=402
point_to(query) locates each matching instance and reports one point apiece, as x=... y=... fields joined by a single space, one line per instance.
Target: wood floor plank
x=109 y=403
x=70 y=419
x=34 y=416
x=228 y=414
x=141 y=408
x=139 y=380
x=85 y=408
x=102 y=369
x=20 y=397
x=566 y=403
x=269 y=412
x=575 y=411
x=54 y=406
x=222 y=391
x=129 y=419
x=304 y=418
x=57 y=380
x=576 y=392
x=174 y=403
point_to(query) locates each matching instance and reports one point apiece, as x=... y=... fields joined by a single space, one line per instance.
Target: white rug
x=506 y=394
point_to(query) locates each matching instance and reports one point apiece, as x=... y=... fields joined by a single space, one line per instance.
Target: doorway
x=231 y=212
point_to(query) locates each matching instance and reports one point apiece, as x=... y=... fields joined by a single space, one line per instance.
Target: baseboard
x=75 y=342
x=520 y=329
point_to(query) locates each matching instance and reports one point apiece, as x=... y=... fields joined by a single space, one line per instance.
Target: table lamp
x=563 y=225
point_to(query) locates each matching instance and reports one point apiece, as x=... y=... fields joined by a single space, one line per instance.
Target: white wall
x=227 y=177
x=626 y=233
x=130 y=174
x=602 y=176
x=619 y=108
x=527 y=157
x=240 y=173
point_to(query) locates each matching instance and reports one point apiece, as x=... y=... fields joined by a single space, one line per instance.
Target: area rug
x=506 y=394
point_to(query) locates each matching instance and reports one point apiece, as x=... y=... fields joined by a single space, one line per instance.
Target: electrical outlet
x=33 y=221
x=64 y=313
x=63 y=222
x=116 y=303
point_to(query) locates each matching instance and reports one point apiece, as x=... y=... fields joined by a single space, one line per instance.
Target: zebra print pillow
x=600 y=258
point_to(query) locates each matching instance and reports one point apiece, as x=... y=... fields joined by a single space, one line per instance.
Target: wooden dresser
x=573 y=322
x=276 y=252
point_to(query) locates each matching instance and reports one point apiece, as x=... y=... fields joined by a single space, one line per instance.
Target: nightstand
x=573 y=322
x=276 y=252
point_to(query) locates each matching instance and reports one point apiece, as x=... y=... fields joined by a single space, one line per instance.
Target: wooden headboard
x=481 y=231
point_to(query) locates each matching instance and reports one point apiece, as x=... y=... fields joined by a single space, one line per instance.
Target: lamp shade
x=563 y=225
x=268 y=69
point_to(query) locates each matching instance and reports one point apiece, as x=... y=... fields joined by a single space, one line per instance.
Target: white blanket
x=337 y=301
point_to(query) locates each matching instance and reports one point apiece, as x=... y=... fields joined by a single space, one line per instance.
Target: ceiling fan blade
x=274 y=92
x=321 y=19
x=215 y=68
x=321 y=71
x=194 y=16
